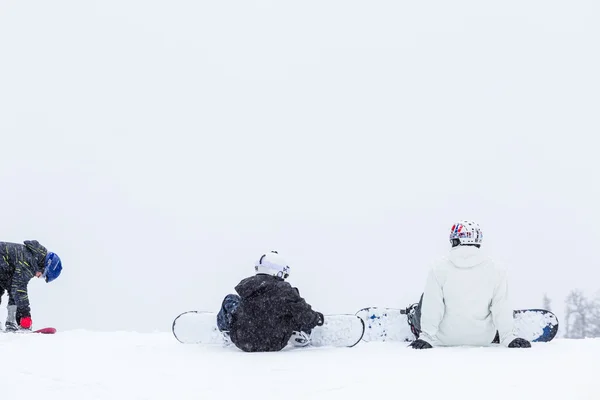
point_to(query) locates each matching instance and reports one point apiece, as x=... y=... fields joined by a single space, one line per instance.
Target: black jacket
x=270 y=309
x=18 y=264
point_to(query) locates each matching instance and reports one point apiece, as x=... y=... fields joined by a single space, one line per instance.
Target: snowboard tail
x=46 y=331
x=385 y=325
x=391 y=324
x=43 y=331
x=200 y=327
x=339 y=330
x=536 y=324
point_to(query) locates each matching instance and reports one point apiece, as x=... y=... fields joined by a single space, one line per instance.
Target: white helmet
x=272 y=264
x=466 y=232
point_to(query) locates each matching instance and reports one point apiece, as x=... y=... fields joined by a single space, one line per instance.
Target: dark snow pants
x=228 y=307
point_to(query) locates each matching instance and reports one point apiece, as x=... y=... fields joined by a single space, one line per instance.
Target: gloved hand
x=519 y=343
x=25 y=323
x=420 y=344
x=320 y=319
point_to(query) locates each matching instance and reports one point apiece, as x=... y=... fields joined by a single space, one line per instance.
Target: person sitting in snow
x=465 y=302
x=267 y=311
x=19 y=263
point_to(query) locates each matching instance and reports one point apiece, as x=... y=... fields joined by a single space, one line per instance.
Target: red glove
x=26 y=322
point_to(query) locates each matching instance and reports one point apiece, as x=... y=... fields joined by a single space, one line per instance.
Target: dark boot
x=11 y=319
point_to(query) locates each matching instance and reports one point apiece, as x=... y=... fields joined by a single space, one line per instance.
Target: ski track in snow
x=130 y=365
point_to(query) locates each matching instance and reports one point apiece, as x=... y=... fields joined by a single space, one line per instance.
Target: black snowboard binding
x=412 y=319
x=413 y=316
x=300 y=339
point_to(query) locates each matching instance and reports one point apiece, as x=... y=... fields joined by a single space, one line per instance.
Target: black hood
x=39 y=253
x=256 y=285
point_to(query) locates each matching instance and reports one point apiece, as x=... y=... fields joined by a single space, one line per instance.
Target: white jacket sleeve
x=432 y=310
x=502 y=311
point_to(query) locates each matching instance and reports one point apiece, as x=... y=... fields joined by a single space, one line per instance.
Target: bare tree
x=576 y=315
x=546 y=303
x=593 y=329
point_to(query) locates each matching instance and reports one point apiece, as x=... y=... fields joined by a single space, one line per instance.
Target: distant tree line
x=582 y=315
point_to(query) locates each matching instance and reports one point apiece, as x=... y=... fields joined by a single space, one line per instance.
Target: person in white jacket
x=466 y=302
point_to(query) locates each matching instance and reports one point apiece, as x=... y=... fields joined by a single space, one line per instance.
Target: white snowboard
x=385 y=325
x=200 y=327
x=391 y=324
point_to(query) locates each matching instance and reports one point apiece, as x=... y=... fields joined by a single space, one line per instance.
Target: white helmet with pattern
x=272 y=263
x=466 y=232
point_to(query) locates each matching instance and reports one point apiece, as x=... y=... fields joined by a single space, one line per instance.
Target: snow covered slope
x=129 y=365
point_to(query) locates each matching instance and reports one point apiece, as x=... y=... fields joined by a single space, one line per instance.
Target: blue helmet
x=53 y=267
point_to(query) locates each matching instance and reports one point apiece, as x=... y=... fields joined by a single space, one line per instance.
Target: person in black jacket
x=19 y=263
x=267 y=311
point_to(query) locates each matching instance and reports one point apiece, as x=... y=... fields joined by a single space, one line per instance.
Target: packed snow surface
x=130 y=365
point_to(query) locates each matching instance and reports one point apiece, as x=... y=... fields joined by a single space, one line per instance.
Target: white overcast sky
x=160 y=147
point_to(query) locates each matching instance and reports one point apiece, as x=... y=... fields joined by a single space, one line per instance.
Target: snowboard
x=391 y=324
x=200 y=327
x=46 y=331
x=43 y=331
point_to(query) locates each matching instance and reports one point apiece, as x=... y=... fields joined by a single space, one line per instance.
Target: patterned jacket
x=18 y=264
